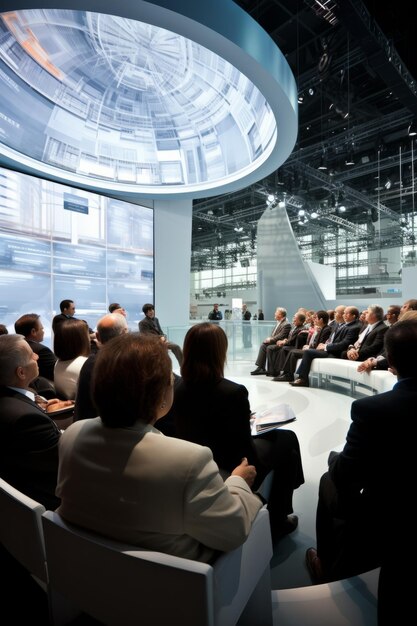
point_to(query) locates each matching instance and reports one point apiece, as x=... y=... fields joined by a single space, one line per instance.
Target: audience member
x=110 y=326
x=121 y=477
x=67 y=308
x=215 y=315
x=72 y=347
x=371 y=338
x=28 y=436
x=3 y=330
x=409 y=305
x=288 y=358
x=281 y=331
x=274 y=352
x=150 y=326
x=115 y=307
x=261 y=315
x=246 y=328
x=30 y=327
x=213 y=411
x=363 y=494
x=392 y=314
x=344 y=335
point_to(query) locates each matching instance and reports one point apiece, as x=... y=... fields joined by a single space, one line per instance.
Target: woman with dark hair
x=120 y=476
x=213 y=411
x=72 y=347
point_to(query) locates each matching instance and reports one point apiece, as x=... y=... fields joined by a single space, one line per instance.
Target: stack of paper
x=272 y=418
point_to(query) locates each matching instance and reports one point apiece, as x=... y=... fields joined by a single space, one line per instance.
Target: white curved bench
x=376 y=380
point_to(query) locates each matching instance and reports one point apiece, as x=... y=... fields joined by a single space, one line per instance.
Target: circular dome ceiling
x=122 y=104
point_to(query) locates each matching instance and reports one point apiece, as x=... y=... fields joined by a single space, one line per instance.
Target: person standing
x=261 y=315
x=246 y=329
x=215 y=315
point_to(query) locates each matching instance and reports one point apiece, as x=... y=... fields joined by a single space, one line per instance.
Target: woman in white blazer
x=120 y=476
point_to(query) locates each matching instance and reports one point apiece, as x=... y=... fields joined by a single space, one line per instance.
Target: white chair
x=123 y=585
x=21 y=531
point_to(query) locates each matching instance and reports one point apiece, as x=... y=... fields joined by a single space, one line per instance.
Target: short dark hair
x=130 y=376
x=71 y=339
x=113 y=306
x=148 y=307
x=25 y=323
x=300 y=316
x=323 y=315
x=401 y=347
x=3 y=329
x=204 y=350
x=64 y=304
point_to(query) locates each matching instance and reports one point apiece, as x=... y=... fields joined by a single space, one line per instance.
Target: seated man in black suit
x=274 y=352
x=28 y=436
x=361 y=522
x=281 y=331
x=150 y=326
x=109 y=326
x=345 y=335
x=30 y=327
x=115 y=307
x=371 y=339
x=67 y=308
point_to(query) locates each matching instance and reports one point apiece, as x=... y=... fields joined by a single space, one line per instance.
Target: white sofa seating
x=376 y=380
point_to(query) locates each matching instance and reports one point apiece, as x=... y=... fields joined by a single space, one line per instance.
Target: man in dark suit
x=287 y=360
x=30 y=327
x=150 y=326
x=360 y=515
x=109 y=326
x=371 y=339
x=28 y=436
x=274 y=352
x=345 y=335
x=67 y=308
x=281 y=331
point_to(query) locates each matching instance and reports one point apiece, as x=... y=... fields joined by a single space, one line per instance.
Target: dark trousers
x=262 y=354
x=279 y=450
x=348 y=534
x=308 y=356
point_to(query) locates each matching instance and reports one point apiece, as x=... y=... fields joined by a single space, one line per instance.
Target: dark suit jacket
x=150 y=326
x=28 y=447
x=84 y=407
x=376 y=468
x=47 y=359
x=344 y=337
x=216 y=415
x=281 y=332
x=372 y=344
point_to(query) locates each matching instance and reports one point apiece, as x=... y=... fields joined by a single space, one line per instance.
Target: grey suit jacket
x=281 y=331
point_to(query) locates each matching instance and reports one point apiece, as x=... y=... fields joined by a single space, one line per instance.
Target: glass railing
x=244 y=337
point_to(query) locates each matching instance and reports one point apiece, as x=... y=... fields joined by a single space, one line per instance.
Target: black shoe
x=270 y=374
x=284 y=528
x=283 y=379
x=258 y=372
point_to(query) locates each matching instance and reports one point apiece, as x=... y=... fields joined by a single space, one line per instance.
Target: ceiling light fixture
x=412 y=129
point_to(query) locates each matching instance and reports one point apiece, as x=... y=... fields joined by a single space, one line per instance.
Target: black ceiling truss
x=358 y=100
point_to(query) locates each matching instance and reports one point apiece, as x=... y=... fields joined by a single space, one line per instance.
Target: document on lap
x=271 y=418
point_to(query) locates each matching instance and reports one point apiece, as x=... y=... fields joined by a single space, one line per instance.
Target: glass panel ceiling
x=119 y=100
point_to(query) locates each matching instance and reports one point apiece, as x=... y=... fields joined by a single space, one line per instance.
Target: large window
x=57 y=242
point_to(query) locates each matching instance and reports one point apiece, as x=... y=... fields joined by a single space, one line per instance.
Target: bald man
x=109 y=326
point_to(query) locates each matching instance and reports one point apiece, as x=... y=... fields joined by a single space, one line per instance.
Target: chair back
x=21 y=530
x=124 y=585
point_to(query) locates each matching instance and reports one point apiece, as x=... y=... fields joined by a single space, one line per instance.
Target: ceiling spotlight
x=388 y=183
x=342 y=208
x=323 y=164
x=271 y=197
x=281 y=204
x=300 y=98
x=314 y=215
x=349 y=159
x=311 y=91
x=412 y=129
x=301 y=212
x=238 y=229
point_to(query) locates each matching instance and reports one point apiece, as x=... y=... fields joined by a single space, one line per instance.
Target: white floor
x=323 y=419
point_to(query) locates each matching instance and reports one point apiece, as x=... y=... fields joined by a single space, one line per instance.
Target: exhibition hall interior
x=237 y=153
